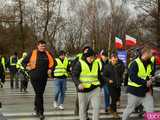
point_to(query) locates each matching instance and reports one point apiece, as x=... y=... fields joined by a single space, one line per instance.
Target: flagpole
x=109 y=45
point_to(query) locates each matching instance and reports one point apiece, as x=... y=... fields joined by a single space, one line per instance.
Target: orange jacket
x=33 y=59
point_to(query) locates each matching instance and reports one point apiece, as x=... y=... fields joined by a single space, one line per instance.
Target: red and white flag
x=118 y=42
x=130 y=41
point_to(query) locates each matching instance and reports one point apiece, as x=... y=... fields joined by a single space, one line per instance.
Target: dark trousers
x=39 y=88
x=76 y=108
x=24 y=82
x=114 y=93
x=24 y=85
x=119 y=93
x=14 y=78
x=3 y=78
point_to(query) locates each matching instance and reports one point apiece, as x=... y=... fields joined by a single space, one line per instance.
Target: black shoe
x=106 y=110
x=42 y=117
x=0 y=105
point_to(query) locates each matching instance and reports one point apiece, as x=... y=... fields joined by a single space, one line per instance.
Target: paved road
x=19 y=106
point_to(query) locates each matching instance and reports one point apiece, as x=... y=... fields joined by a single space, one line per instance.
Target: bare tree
x=151 y=15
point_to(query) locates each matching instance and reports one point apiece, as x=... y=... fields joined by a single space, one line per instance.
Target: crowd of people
x=90 y=72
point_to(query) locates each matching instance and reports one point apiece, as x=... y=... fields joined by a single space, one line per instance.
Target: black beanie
x=90 y=52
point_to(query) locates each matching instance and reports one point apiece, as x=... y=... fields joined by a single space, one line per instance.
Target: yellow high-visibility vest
x=87 y=77
x=80 y=55
x=99 y=63
x=61 y=68
x=153 y=59
x=19 y=63
x=142 y=72
x=3 y=63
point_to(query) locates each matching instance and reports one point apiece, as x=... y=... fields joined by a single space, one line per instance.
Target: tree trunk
x=21 y=25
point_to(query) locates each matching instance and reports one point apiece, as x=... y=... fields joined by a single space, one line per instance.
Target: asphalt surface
x=17 y=105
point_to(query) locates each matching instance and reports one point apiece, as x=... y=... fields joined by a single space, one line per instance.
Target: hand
x=80 y=87
x=110 y=81
x=49 y=72
x=28 y=68
x=149 y=83
x=152 y=78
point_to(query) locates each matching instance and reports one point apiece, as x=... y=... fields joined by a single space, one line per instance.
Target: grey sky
x=3 y=3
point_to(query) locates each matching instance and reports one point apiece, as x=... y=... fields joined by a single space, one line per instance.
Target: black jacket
x=114 y=73
x=76 y=70
x=103 y=81
x=40 y=72
x=1 y=71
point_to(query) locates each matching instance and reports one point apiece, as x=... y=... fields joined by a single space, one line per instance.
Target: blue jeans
x=60 y=87
x=106 y=96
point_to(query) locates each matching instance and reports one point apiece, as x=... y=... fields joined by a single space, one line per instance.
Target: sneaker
x=61 y=107
x=55 y=104
x=36 y=113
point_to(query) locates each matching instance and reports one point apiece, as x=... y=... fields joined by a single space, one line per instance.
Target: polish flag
x=130 y=41
x=118 y=43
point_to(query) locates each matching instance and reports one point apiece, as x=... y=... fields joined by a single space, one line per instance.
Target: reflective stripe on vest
x=19 y=64
x=142 y=73
x=61 y=68
x=87 y=77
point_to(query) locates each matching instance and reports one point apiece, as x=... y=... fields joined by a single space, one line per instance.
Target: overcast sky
x=3 y=3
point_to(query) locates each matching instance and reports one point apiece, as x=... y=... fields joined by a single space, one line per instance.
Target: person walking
x=78 y=57
x=4 y=64
x=39 y=63
x=104 y=61
x=60 y=74
x=13 y=70
x=1 y=77
x=22 y=73
x=112 y=74
x=86 y=75
x=1 y=74
x=139 y=84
